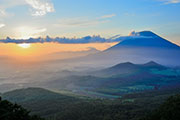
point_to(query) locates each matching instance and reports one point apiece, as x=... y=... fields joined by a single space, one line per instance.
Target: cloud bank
x=87 y=39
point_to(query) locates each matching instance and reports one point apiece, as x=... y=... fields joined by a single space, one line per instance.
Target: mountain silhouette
x=129 y=68
x=153 y=64
x=145 y=39
x=139 y=48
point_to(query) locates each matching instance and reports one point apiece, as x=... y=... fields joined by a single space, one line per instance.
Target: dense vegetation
x=55 y=106
x=40 y=101
x=10 y=111
x=169 y=110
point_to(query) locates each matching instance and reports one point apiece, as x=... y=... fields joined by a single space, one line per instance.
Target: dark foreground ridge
x=130 y=107
x=10 y=111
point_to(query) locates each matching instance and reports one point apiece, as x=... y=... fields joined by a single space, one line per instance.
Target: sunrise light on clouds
x=33 y=21
x=89 y=60
x=39 y=18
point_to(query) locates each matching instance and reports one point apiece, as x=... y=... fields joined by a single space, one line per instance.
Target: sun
x=24 y=45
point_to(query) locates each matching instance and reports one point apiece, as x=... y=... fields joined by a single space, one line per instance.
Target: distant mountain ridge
x=129 y=64
x=128 y=68
x=32 y=94
x=138 y=48
x=153 y=64
x=145 y=39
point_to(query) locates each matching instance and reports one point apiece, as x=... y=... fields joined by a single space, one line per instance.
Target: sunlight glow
x=24 y=45
x=26 y=32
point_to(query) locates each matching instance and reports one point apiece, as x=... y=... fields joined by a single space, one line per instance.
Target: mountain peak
x=143 y=33
x=145 y=39
x=148 y=33
x=153 y=64
x=123 y=65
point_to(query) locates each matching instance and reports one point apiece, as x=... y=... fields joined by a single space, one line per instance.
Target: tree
x=170 y=110
x=10 y=111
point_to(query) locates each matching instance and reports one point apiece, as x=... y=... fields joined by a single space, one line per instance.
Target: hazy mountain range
x=120 y=79
x=137 y=74
x=97 y=69
x=139 y=47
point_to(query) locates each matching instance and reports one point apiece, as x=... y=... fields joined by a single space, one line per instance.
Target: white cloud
x=2 y=25
x=40 y=7
x=108 y=16
x=170 y=1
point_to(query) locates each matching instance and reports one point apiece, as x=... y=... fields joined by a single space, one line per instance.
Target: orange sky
x=38 y=49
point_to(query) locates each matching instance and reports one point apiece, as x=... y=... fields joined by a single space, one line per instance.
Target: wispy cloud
x=5 y=4
x=39 y=30
x=79 y=22
x=170 y=1
x=83 y=21
x=108 y=16
x=2 y=25
x=40 y=7
x=37 y=7
x=2 y=13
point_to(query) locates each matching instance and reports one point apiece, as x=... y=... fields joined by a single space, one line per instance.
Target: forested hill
x=55 y=106
x=10 y=111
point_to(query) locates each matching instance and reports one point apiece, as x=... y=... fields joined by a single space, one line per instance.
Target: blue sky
x=34 y=18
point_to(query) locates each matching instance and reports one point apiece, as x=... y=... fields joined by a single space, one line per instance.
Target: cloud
x=2 y=12
x=79 y=22
x=2 y=25
x=38 y=31
x=108 y=16
x=40 y=7
x=83 y=21
x=83 y=40
x=170 y=1
x=86 y=39
x=26 y=32
x=5 y=4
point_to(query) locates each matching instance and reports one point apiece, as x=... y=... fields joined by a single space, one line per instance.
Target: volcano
x=145 y=39
x=139 y=48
